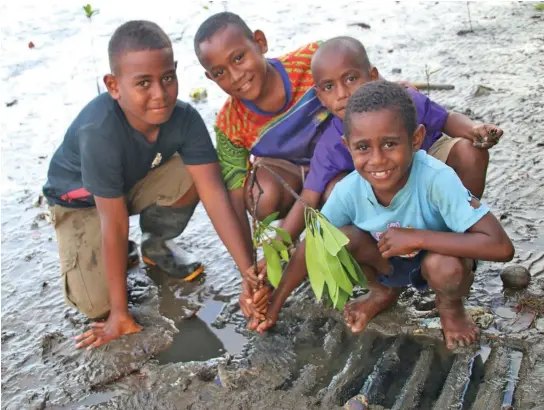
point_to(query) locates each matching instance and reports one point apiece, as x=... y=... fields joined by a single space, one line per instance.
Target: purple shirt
x=332 y=157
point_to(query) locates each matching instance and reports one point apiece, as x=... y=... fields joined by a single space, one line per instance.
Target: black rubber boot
x=161 y=224
x=133 y=257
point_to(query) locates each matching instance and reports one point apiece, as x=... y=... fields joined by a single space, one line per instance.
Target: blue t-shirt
x=433 y=198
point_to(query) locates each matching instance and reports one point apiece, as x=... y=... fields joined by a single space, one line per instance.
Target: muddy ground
x=309 y=360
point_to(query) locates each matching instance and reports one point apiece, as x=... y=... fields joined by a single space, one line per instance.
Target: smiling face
x=382 y=150
x=235 y=62
x=337 y=75
x=145 y=86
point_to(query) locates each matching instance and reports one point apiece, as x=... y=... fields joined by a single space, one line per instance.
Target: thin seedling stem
x=469 y=19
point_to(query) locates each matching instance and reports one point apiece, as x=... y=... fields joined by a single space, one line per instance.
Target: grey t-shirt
x=103 y=155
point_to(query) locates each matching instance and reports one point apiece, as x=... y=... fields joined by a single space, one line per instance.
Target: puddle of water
x=197 y=340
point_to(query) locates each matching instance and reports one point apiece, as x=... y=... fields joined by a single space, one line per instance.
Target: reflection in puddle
x=196 y=340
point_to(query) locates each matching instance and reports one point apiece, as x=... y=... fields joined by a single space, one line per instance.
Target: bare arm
x=459 y=126
x=225 y=219
x=294 y=221
x=237 y=200
x=482 y=135
x=485 y=240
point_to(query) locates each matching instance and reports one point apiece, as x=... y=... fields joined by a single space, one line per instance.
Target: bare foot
x=362 y=310
x=457 y=325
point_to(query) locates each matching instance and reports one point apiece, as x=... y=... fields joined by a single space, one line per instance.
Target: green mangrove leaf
x=270 y=218
x=317 y=281
x=334 y=238
x=344 y=257
x=285 y=255
x=273 y=264
x=284 y=235
x=338 y=274
x=342 y=299
x=362 y=282
x=278 y=245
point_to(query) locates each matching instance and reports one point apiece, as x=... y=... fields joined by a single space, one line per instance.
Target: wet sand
x=309 y=360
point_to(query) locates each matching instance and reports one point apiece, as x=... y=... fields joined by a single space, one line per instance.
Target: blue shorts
x=407 y=272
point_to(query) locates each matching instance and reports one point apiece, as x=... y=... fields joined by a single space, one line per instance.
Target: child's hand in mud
x=103 y=332
x=246 y=299
x=398 y=242
x=486 y=136
x=260 y=303
x=270 y=320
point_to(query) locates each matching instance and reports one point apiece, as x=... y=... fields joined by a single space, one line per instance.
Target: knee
x=464 y=155
x=447 y=274
x=268 y=201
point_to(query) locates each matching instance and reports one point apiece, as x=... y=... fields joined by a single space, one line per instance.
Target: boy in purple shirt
x=340 y=66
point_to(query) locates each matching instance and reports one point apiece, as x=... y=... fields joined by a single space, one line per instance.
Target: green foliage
x=332 y=270
x=89 y=12
x=274 y=250
x=539 y=6
x=331 y=267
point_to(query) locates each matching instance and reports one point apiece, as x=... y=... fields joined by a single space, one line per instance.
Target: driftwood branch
x=425 y=86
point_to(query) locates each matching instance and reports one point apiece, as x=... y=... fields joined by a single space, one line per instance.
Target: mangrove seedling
x=89 y=13
x=332 y=270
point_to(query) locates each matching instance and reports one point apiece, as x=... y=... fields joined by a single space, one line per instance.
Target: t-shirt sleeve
x=197 y=146
x=432 y=115
x=101 y=165
x=323 y=169
x=452 y=199
x=335 y=209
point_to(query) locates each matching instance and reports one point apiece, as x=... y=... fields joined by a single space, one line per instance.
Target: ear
x=113 y=87
x=261 y=41
x=175 y=65
x=346 y=143
x=374 y=74
x=418 y=137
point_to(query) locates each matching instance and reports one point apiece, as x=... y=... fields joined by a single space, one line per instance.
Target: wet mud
x=194 y=351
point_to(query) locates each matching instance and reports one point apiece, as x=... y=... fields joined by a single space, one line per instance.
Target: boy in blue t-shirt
x=409 y=218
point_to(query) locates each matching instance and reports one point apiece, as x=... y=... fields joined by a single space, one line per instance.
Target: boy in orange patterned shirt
x=272 y=114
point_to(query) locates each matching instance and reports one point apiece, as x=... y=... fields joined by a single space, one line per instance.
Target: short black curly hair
x=136 y=35
x=217 y=22
x=382 y=95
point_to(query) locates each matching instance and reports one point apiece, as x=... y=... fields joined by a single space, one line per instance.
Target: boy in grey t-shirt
x=134 y=150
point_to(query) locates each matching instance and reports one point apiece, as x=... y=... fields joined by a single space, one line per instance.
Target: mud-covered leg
x=450 y=278
x=362 y=310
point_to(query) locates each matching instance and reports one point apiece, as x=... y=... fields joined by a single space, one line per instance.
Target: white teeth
x=245 y=86
x=381 y=174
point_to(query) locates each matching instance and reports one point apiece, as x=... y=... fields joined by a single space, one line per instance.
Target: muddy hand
x=267 y=323
x=261 y=299
x=104 y=332
x=256 y=278
x=486 y=136
x=246 y=299
x=398 y=241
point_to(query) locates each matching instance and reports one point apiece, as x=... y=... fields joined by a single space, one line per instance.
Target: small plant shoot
x=332 y=270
